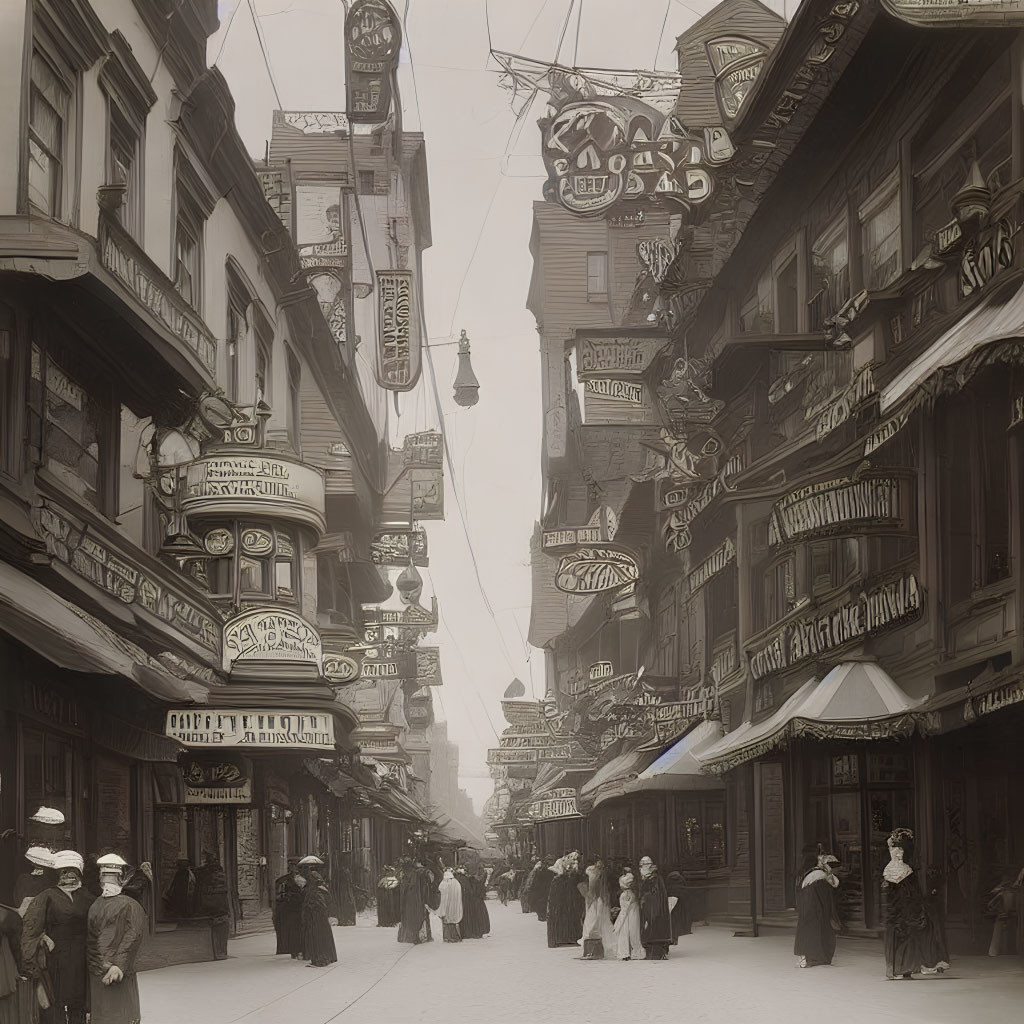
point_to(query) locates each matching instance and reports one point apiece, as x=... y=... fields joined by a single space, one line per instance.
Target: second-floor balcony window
x=49 y=134
x=597 y=277
x=188 y=246
x=830 y=269
x=123 y=168
x=881 y=237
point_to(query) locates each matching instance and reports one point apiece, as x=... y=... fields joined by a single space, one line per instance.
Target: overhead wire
x=576 y=50
x=661 y=35
x=227 y=32
x=263 y=50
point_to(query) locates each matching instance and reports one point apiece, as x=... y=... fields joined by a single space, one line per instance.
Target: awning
x=1000 y=318
x=395 y=804
x=610 y=779
x=337 y=781
x=677 y=768
x=73 y=639
x=857 y=700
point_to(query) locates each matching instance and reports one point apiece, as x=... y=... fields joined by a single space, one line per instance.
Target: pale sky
x=483 y=180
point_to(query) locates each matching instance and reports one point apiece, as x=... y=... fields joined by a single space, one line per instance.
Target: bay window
x=50 y=132
x=881 y=236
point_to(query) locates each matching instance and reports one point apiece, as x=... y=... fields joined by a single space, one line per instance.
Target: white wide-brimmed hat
x=40 y=856
x=311 y=860
x=48 y=816
x=68 y=859
x=111 y=860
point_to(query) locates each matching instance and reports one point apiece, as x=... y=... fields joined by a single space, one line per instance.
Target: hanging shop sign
x=988 y=255
x=385 y=621
x=398 y=360
x=837 y=506
x=255 y=485
x=840 y=407
x=68 y=540
x=872 y=612
x=271 y=634
x=600 y=670
x=425 y=448
x=428 y=666
x=373 y=38
x=886 y=432
x=535 y=740
x=523 y=712
x=683 y=507
x=399 y=549
x=593 y=570
x=995 y=700
x=656 y=256
x=618 y=390
x=219 y=795
x=251 y=728
x=944 y=14
x=315 y=122
x=398 y=665
x=602 y=528
x=340 y=669
x=599 y=356
x=215 y=773
x=427 y=493
x=157 y=296
x=736 y=62
x=497 y=756
x=719 y=560
x=559 y=803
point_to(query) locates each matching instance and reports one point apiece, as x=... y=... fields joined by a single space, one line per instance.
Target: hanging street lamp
x=467 y=387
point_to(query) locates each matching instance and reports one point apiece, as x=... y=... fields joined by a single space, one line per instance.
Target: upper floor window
x=597 y=276
x=258 y=562
x=881 y=236
x=777 y=592
x=192 y=205
x=124 y=167
x=237 y=333
x=263 y=349
x=830 y=270
x=294 y=401
x=51 y=93
x=367 y=183
x=757 y=313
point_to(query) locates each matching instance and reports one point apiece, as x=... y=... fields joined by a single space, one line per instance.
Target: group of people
x=915 y=939
x=608 y=908
x=73 y=940
x=302 y=919
x=408 y=894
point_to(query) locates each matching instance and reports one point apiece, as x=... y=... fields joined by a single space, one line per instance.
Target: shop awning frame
x=677 y=768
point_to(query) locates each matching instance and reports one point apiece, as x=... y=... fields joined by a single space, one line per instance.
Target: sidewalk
x=512 y=976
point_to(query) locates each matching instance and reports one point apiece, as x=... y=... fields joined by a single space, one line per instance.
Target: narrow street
x=512 y=976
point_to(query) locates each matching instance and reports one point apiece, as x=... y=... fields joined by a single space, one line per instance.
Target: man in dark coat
x=526 y=892
x=288 y=893
x=816 y=923
x=655 y=926
x=680 y=913
x=389 y=900
x=542 y=887
x=414 y=894
x=180 y=898
x=212 y=885
x=565 y=906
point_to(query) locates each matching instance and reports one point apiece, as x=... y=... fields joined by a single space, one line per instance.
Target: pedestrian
x=679 y=911
x=389 y=903
x=13 y=1009
x=39 y=877
x=526 y=892
x=655 y=928
x=288 y=892
x=343 y=894
x=451 y=907
x=911 y=945
x=563 y=930
x=116 y=927
x=212 y=889
x=817 y=922
x=476 y=922
x=627 y=920
x=180 y=898
x=414 y=894
x=317 y=937
x=139 y=885
x=53 y=940
x=597 y=921
x=542 y=888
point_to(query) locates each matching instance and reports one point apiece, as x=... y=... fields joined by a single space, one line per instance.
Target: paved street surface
x=512 y=976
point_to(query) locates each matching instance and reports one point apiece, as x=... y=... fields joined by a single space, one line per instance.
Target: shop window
x=832 y=563
x=597 y=276
x=701 y=835
x=253 y=563
x=881 y=236
x=50 y=132
x=11 y=393
x=889 y=768
x=846 y=770
x=69 y=429
x=124 y=167
x=189 y=223
x=777 y=591
x=48 y=765
x=830 y=269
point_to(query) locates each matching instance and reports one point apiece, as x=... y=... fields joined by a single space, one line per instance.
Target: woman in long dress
x=288 y=894
x=11 y=981
x=525 y=893
x=817 y=924
x=627 y=924
x=912 y=944
x=597 y=922
x=450 y=909
x=317 y=938
x=389 y=903
x=679 y=913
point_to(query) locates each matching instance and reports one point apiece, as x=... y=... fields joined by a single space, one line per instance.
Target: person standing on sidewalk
x=451 y=907
x=317 y=937
x=389 y=903
x=627 y=920
x=116 y=927
x=525 y=893
x=288 y=910
x=213 y=903
x=655 y=928
x=542 y=888
x=817 y=922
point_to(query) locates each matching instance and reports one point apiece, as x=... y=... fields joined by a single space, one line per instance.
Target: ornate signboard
x=219 y=795
x=872 y=612
x=399 y=549
x=271 y=634
x=251 y=728
x=425 y=448
x=715 y=563
x=255 y=485
x=523 y=712
x=737 y=62
x=398 y=359
x=340 y=669
x=524 y=756
x=604 y=355
x=684 y=505
x=373 y=38
x=558 y=803
x=954 y=13
x=620 y=390
x=315 y=122
x=428 y=666
x=885 y=432
x=603 y=526
x=838 y=506
x=600 y=670
x=593 y=570
x=838 y=409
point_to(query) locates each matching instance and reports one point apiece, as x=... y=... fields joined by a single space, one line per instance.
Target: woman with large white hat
x=53 y=940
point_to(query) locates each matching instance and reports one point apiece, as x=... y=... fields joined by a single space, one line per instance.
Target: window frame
x=62 y=206
x=827 y=241
x=293 y=368
x=888 y=192
x=130 y=212
x=192 y=205
x=592 y=294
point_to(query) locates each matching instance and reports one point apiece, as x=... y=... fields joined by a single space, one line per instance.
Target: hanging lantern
x=467 y=387
x=409 y=584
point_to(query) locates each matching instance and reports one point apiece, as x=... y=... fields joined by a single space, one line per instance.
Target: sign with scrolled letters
x=715 y=563
x=592 y=570
x=251 y=727
x=601 y=355
x=339 y=668
x=373 y=38
x=958 y=13
x=398 y=359
x=837 y=506
x=271 y=634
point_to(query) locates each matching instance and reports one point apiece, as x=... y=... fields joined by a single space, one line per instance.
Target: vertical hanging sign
x=398 y=360
x=373 y=38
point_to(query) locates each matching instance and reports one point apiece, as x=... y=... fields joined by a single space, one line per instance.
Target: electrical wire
x=224 y=38
x=661 y=36
x=565 y=27
x=263 y=50
x=576 y=51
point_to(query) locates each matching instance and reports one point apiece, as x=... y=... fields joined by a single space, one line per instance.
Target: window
x=787 y=293
x=832 y=563
x=11 y=398
x=880 y=224
x=188 y=242
x=597 y=277
x=367 y=183
x=294 y=402
x=123 y=167
x=701 y=834
x=757 y=313
x=262 y=368
x=764 y=696
x=830 y=270
x=255 y=562
x=69 y=429
x=49 y=130
x=778 y=591
x=237 y=332
x=665 y=634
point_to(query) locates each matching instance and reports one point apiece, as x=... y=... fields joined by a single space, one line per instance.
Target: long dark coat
x=541 y=891
x=913 y=933
x=414 y=894
x=288 y=897
x=389 y=901
x=476 y=922
x=317 y=938
x=655 y=926
x=565 y=911
x=65 y=920
x=526 y=892
x=680 y=913
x=816 y=923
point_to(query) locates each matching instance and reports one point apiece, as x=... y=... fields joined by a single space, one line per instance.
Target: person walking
x=627 y=921
x=212 y=886
x=414 y=893
x=655 y=929
x=389 y=903
x=679 y=911
x=317 y=937
x=288 y=891
x=526 y=892
x=53 y=940
x=542 y=888
x=451 y=907
x=116 y=926
x=817 y=922
x=597 y=921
